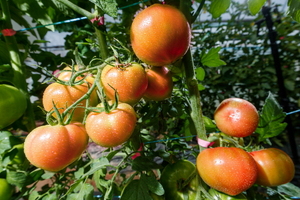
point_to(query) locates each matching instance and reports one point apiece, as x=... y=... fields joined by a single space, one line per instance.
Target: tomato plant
x=156 y=38
x=227 y=169
x=130 y=82
x=160 y=83
x=12 y=104
x=64 y=96
x=179 y=180
x=236 y=117
x=221 y=196
x=275 y=167
x=6 y=190
x=53 y=148
x=110 y=129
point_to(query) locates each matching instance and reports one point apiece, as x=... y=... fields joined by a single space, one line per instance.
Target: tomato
x=275 y=167
x=64 y=95
x=13 y=104
x=113 y=128
x=221 y=196
x=173 y=177
x=130 y=82
x=227 y=169
x=53 y=148
x=160 y=84
x=156 y=38
x=236 y=117
x=6 y=190
x=66 y=74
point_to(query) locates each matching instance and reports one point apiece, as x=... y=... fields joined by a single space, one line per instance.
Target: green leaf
x=7 y=141
x=212 y=58
x=18 y=178
x=153 y=185
x=200 y=73
x=107 y=6
x=294 y=9
x=289 y=189
x=143 y=163
x=218 y=7
x=254 y=6
x=136 y=190
x=96 y=165
x=271 y=119
x=85 y=191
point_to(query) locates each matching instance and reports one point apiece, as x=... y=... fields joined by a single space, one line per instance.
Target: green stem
x=77 y=9
x=102 y=43
x=192 y=84
x=19 y=77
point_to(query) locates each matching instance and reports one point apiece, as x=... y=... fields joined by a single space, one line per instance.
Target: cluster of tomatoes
x=232 y=170
x=110 y=123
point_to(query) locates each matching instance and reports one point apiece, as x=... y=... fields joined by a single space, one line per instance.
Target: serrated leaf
x=212 y=58
x=271 y=119
x=218 y=7
x=96 y=165
x=18 y=178
x=254 y=6
x=136 y=190
x=107 y=6
x=200 y=73
x=85 y=191
x=7 y=141
x=289 y=189
x=294 y=9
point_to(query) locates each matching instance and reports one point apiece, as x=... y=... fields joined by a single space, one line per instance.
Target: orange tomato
x=160 y=35
x=64 y=95
x=113 y=128
x=130 y=82
x=66 y=74
x=160 y=84
x=53 y=148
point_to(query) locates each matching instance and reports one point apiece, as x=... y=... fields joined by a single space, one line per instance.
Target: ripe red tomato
x=160 y=35
x=13 y=104
x=53 y=148
x=236 y=117
x=63 y=96
x=228 y=169
x=113 y=128
x=160 y=84
x=131 y=82
x=275 y=167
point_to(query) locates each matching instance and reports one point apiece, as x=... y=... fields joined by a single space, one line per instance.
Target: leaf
x=18 y=178
x=200 y=73
x=218 y=7
x=96 y=165
x=7 y=141
x=143 y=163
x=153 y=185
x=289 y=189
x=294 y=9
x=212 y=58
x=271 y=119
x=254 y=6
x=85 y=191
x=107 y=6
x=136 y=190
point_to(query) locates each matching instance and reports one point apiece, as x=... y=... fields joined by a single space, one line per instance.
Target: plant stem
x=192 y=83
x=102 y=43
x=19 y=77
x=77 y=9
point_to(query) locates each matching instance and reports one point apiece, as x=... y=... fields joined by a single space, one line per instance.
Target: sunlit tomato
x=228 y=169
x=236 y=117
x=160 y=84
x=63 y=96
x=275 y=167
x=173 y=180
x=66 y=74
x=113 y=128
x=6 y=190
x=53 y=148
x=130 y=82
x=160 y=35
x=12 y=104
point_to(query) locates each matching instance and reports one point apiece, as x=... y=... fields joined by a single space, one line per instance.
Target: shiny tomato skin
x=64 y=95
x=176 y=173
x=13 y=104
x=53 y=148
x=275 y=167
x=130 y=82
x=227 y=169
x=160 y=35
x=236 y=117
x=113 y=128
x=160 y=84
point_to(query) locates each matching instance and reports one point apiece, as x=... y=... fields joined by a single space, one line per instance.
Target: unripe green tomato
x=6 y=190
